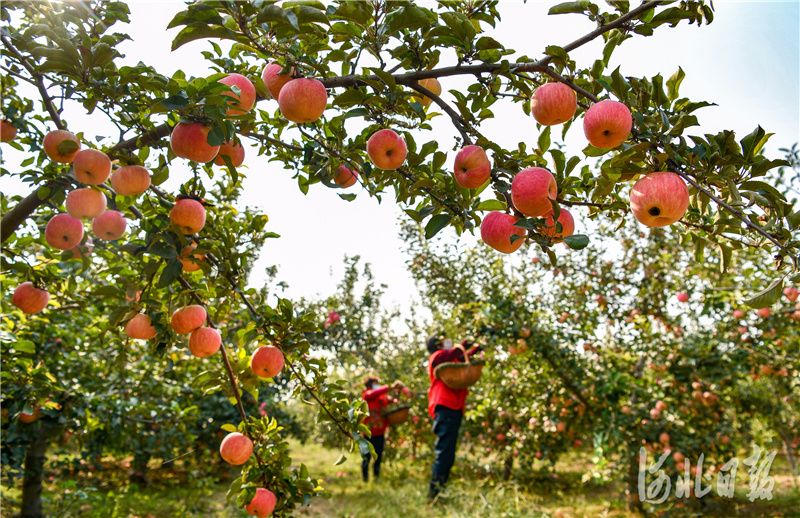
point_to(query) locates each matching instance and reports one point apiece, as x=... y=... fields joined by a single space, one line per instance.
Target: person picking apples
x=377 y=398
x=446 y=407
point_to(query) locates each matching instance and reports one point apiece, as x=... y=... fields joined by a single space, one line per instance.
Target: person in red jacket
x=446 y=406
x=377 y=398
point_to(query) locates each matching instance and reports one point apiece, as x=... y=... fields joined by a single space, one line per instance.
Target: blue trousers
x=446 y=423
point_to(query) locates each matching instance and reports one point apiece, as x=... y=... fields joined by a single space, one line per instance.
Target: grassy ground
x=400 y=493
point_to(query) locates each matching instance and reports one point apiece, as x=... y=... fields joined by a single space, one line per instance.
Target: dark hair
x=434 y=342
x=370 y=380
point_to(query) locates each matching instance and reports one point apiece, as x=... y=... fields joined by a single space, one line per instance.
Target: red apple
x=85 y=203
x=682 y=297
x=561 y=427
x=345 y=177
x=678 y=456
x=245 y=100
x=431 y=84
x=63 y=231
x=236 y=448
x=262 y=504
x=791 y=293
x=472 y=167
x=738 y=314
x=188 y=215
x=186 y=319
x=29 y=298
x=189 y=140
x=189 y=260
x=110 y=225
x=7 y=131
x=607 y=124
x=567 y=226
x=140 y=327
x=659 y=199
x=553 y=103
x=233 y=150
x=661 y=406
x=130 y=180
x=29 y=418
x=91 y=166
x=497 y=229
x=531 y=191
x=386 y=149
x=274 y=80
x=52 y=141
x=204 y=341
x=267 y=361
x=796 y=315
x=303 y=100
x=764 y=312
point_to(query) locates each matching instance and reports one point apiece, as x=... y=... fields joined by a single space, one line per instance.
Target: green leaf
x=725 y=256
x=491 y=205
x=364 y=446
x=229 y=428
x=569 y=7
x=577 y=241
x=672 y=16
x=557 y=52
x=340 y=460
x=436 y=223
x=409 y=17
x=544 y=139
x=754 y=142
x=65 y=147
x=756 y=186
x=768 y=297
x=25 y=346
x=674 y=84
x=170 y=273
x=272 y=13
x=596 y=151
x=198 y=32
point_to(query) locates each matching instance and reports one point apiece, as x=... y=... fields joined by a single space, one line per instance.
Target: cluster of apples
x=92 y=167
x=657 y=199
x=65 y=231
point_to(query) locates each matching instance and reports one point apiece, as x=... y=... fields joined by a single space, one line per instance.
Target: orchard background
x=591 y=354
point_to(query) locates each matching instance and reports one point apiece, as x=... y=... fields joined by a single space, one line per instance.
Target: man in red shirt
x=377 y=400
x=446 y=406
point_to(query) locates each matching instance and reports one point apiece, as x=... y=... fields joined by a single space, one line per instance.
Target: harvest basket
x=397 y=415
x=459 y=375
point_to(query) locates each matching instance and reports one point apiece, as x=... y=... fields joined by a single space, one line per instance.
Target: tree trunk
x=138 y=473
x=32 y=481
x=508 y=466
x=634 y=503
x=787 y=442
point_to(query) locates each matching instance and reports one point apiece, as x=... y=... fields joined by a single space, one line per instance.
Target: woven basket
x=397 y=415
x=459 y=375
